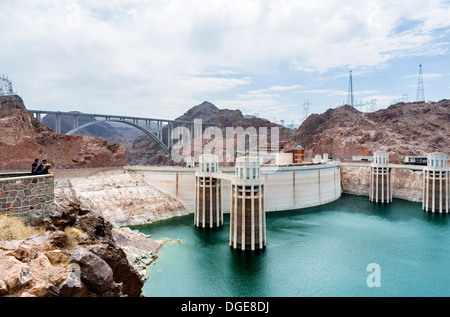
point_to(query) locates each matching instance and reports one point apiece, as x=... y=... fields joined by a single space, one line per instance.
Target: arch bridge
x=160 y=130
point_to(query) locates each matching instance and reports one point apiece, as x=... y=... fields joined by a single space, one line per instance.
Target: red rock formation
x=23 y=138
x=401 y=129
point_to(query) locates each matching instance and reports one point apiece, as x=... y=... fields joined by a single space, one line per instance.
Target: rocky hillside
x=23 y=138
x=401 y=129
x=121 y=197
x=76 y=253
x=145 y=151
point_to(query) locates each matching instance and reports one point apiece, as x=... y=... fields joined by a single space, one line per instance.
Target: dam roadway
x=286 y=187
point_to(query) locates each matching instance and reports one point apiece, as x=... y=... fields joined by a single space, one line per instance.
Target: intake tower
x=247 y=214
x=380 y=179
x=208 y=211
x=436 y=183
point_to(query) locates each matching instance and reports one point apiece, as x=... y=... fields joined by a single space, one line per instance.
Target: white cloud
x=138 y=54
x=211 y=84
x=284 y=88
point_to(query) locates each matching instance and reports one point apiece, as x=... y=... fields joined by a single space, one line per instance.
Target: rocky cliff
x=78 y=254
x=23 y=138
x=401 y=129
x=120 y=197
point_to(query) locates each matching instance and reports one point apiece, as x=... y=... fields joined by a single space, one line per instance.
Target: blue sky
x=158 y=58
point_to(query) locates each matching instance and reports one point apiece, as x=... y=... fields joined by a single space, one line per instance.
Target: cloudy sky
x=158 y=58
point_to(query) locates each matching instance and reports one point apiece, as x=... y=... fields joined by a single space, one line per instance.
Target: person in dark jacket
x=34 y=166
x=40 y=169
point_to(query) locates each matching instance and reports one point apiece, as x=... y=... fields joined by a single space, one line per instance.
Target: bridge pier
x=208 y=212
x=436 y=184
x=247 y=214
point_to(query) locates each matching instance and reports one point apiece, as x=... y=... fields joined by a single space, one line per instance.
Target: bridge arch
x=145 y=130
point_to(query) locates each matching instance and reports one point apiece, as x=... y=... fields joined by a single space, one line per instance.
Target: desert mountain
x=415 y=128
x=145 y=151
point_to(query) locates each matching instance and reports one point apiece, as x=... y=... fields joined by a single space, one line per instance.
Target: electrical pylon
x=420 y=91
x=350 y=91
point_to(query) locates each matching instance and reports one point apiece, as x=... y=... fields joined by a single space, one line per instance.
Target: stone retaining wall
x=26 y=196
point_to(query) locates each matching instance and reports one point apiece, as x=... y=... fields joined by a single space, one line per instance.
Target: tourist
x=34 y=166
x=39 y=167
x=46 y=169
x=42 y=168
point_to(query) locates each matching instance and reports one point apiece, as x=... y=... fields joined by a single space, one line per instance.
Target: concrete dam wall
x=286 y=188
x=26 y=195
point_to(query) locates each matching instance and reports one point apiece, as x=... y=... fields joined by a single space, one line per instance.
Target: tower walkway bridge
x=160 y=130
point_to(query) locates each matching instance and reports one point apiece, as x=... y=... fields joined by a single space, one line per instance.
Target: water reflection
x=436 y=219
x=247 y=272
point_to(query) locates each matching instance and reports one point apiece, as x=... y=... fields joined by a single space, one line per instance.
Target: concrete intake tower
x=208 y=212
x=247 y=214
x=380 y=179
x=436 y=183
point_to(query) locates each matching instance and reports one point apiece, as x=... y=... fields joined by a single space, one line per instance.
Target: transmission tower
x=306 y=112
x=420 y=91
x=350 y=91
x=6 y=93
x=5 y=86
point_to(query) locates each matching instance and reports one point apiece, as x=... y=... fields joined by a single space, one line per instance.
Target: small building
x=317 y=158
x=190 y=161
x=362 y=158
x=415 y=160
x=299 y=154
x=284 y=158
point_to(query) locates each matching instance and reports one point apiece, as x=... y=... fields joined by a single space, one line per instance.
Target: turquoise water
x=321 y=251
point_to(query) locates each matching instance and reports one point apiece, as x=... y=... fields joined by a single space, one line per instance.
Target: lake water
x=321 y=251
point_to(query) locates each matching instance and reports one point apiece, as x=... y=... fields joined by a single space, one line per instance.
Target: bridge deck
x=107 y=116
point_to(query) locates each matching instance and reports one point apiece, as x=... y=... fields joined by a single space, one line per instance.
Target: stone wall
x=26 y=196
x=406 y=183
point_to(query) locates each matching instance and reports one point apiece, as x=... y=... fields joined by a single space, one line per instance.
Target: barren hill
x=145 y=151
x=401 y=129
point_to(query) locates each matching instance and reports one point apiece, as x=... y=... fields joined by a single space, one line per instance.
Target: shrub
x=14 y=228
x=74 y=236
